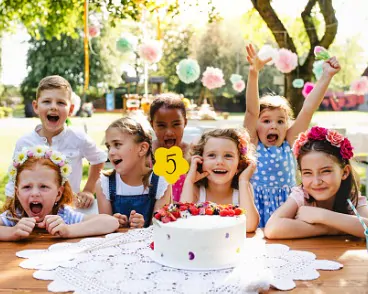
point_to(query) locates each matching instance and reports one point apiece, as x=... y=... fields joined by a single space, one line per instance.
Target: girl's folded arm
x=94 y=224
x=246 y=197
x=6 y=233
x=104 y=205
x=283 y=225
x=346 y=223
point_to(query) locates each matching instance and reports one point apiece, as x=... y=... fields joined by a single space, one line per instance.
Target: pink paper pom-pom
x=308 y=87
x=94 y=31
x=239 y=86
x=213 y=78
x=286 y=61
x=151 y=51
x=360 y=86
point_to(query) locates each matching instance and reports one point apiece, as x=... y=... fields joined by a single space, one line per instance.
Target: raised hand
x=123 y=220
x=23 y=228
x=255 y=62
x=55 y=225
x=136 y=220
x=194 y=175
x=331 y=66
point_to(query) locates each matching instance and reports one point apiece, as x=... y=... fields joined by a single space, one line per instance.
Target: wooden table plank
x=349 y=251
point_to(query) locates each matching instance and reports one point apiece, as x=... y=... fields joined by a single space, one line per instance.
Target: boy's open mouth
x=170 y=142
x=53 y=118
x=36 y=207
x=117 y=161
x=272 y=138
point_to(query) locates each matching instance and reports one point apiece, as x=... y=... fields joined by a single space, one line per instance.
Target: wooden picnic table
x=349 y=251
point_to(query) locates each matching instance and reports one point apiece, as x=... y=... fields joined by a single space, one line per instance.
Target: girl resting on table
x=131 y=192
x=42 y=196
x=220 y=171
x=319 y=205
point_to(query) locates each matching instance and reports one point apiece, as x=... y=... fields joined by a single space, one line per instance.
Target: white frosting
x=200 y=242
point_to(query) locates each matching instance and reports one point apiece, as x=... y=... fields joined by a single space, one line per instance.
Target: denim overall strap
x=112 y=186
x=152 y=194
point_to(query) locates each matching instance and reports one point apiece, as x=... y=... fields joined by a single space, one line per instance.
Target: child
x=53 y=106
x=319 y=205
x=42 y=196
x=269 y=123
x=168 y=119
x=132 y=191
x=221 y=167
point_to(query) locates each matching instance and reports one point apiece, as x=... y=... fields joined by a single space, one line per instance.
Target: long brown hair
x=235 y=135
x=129 y=126
x=349 y=187
x=13 y=205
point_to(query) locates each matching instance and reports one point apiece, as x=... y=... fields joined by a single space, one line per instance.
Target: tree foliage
x=285 y=40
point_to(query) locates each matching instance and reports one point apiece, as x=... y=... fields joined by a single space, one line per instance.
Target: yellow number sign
x=170 y=164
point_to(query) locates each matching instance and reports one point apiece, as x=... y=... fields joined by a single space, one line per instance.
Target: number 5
x=173 y=161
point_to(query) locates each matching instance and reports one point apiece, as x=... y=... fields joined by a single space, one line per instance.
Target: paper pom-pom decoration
x=188 y=70
x=298 y=83
x=268 y=51
x=286 y=60
x=126 y=44
x=318 y=68
x=360 y=86
x=308 y=87
x=93 y=31
x=235 y=78
x=213 y=78
x=239 y=86
x=321 y=53
x=151 y=51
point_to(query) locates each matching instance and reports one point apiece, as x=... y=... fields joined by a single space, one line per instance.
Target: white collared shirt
x=74 y=144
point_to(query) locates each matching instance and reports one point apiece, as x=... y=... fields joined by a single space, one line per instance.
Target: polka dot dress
x=273 y=179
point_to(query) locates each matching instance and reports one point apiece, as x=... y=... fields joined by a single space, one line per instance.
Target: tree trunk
x=284 y=40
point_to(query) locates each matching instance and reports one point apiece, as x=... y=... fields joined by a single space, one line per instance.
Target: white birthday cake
x=199 y=240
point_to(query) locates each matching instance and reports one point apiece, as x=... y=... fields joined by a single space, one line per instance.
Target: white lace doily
x=121 y=263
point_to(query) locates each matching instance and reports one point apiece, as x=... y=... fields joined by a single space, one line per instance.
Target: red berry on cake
x=166 y=219
x=224 y=212
x=231 y=212
x=194 y=210
x=152 y=245
x=209 y=211
x=157 y=216
x=238 y=211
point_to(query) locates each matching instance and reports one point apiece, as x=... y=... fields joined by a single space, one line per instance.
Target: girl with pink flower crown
x=269 y=121
x=319 y=205
x=42 y=199
x=221 y=167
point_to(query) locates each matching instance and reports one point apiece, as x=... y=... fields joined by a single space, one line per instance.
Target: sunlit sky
x=350 y=14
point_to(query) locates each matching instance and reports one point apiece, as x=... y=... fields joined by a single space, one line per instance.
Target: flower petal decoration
x=268 y=51
x=188 y=70
x=286 y=60
x=308 y=87
x=235 y=78
x=318 y=68
x=94 y=31
x=213 y=78
x=151 y=51
x=360 y=86
x=126 y=44
x=321 y=53
x=239 y=86
x=298 y=83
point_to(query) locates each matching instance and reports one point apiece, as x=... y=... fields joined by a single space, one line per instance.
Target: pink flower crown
x=243 y=145
x=320 y=134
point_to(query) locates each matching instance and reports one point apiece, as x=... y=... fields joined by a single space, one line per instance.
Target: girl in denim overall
x=131 y=192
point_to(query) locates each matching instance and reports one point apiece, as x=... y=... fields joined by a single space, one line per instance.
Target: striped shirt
x=67 y=213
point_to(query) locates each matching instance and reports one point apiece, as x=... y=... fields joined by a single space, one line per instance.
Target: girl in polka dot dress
x=220 y=171
x=269 y=121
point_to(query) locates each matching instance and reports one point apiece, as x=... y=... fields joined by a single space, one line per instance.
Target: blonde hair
x=14 y=206
x=271 y=102
x=239 y=136
x=130 y=126
x=54 y=82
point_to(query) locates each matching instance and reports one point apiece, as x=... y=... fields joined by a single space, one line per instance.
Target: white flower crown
x=40 y=152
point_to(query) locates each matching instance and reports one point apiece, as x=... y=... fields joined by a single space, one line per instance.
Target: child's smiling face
x=169 y=125
x=37 y=190
x=220 y=160
x=53 y=106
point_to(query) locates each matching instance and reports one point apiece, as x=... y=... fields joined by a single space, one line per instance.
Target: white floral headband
x=40 y=152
